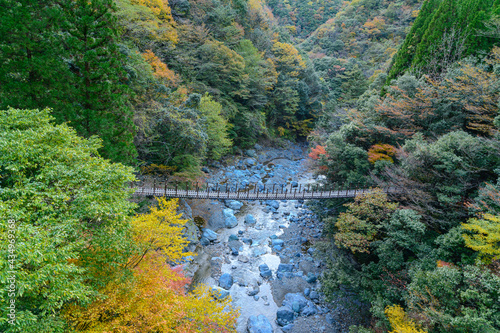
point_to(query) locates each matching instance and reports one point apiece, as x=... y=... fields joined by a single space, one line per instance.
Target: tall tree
x=100 y=102
x=32 y=71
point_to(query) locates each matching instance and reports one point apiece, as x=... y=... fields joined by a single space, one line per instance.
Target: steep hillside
x=445 y=31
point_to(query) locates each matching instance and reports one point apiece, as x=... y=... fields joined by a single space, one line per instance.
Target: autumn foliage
x=400 y=322
x=381 y=152
x=154 y=299
x=317 y=151
x=361 y=223
x=160 y=69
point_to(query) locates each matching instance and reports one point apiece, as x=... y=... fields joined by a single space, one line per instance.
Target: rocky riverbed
x=260 y=252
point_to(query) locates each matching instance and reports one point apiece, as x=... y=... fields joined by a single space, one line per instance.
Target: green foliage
x=445 y=31
x=301 y=18
x=440 y=173
x=218 y=143
x=100 y=105
x=345 y=163
x=82 y=81
x=452 y=299
x=69 y=205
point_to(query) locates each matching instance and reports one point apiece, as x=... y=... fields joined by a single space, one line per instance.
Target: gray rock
x=294 y=184
x=233 y=237
x=250 y=162
x=329 y=319
x=307 y=291
x=309 y=310
x=259 y=324
x=243 y=259
x=285 y=268
x=205 y=170
x=234 y=204
x=258 y=251
x=204 y=241
x=287 y=328
x=254 y=179
x=257 y=147
x=226 y=281
x=263 y=267
x=295 y=301
x=284 y=316
x=314 y=295
x=230 y=220
x=277 y=242
x=311 y=278
x=265 y=272
x=254 y=291
x=250 y=153
x=273 y=203
x=209 y=235
x=248 y=241
x=249 y=219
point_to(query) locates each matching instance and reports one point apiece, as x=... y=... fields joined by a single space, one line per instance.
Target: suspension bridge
x=252 y=192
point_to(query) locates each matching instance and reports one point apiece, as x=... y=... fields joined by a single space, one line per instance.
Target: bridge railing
x=156 y=187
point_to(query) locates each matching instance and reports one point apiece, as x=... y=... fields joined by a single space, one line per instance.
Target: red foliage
x=317 y=151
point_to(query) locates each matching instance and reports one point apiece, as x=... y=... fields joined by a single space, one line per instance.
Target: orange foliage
x=381 y=152
x=154 y=301
x=374 y=26
x=317 y=151
x=160 y=69
x=441 y=263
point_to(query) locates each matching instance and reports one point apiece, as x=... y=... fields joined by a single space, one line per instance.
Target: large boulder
x=284 y=316
x=265 y=272
x=295 y=301
x=226 y=281
x=251 y=153
x=259 y=324
x=230 y=220
x=234 y=204
x=249 y=219
x=209 y=235
x=250 y=162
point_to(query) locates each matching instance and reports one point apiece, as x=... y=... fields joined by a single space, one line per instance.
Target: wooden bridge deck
x=250 y=194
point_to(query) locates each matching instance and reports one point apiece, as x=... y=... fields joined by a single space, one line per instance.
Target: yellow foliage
x=161 y=229
x=159 y=7
x=288 y=59
x=163 y=25
x=154 y=301
x=400 y=322
x=255 y=5
x=485 y=238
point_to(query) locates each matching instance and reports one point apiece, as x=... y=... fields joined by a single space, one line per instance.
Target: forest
x=401 y=93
